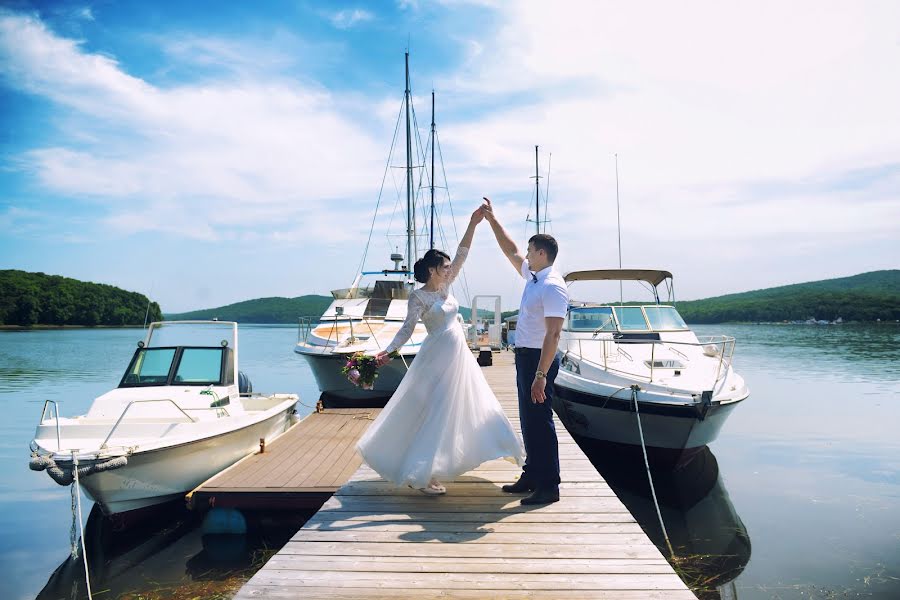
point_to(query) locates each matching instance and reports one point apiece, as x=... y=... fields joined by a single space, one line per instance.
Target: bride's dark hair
x=432 y=260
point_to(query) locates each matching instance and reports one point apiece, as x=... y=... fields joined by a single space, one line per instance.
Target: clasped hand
x=382 y=358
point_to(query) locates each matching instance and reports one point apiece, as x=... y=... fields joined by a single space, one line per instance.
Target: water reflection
x=170 y=556
x=710 y=541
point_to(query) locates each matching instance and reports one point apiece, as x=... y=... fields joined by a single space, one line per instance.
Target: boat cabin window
x=150 y=366
x=631 y=318
x=178 y=366
x=591 y=318
x=664 y=364
x=664 y=318
x=200 y=366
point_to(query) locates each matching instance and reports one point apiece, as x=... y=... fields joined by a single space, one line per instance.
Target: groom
x=545 y=302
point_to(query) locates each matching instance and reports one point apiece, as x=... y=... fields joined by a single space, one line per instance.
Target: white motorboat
x=366 y=316
x=181 y=413
x=612 y=355
x=359 y=319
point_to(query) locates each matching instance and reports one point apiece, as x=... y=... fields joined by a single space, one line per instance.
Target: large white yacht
x=613 y=355
x=366 y=316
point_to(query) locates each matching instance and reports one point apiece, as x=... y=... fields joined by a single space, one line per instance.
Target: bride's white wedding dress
x=443 y=420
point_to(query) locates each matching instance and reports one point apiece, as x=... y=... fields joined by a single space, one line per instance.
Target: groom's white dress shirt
x=545 y=295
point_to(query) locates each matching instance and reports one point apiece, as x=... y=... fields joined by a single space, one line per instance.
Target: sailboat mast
x=431 y=228
x=537 y=193
x=410 y=215
x=619 y=227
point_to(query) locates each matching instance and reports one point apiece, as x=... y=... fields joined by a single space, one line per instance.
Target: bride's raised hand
x=478 y=215
x=382 y=358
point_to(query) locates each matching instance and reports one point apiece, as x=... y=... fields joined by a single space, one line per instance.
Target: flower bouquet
x=362 y=369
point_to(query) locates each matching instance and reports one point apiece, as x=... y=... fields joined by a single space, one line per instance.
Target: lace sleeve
x=414 y=309
x=456 y=266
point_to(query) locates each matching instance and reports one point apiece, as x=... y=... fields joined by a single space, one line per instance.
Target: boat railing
x=304 y=328
x=307 y=324
x=56 y=411
x=720 y=346
x=104 y=446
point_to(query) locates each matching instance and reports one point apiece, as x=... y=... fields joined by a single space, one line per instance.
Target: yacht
x=365 y=316
x=616 y=359
x=182 y=412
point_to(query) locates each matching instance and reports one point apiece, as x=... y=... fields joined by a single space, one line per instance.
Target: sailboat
x=365 y=318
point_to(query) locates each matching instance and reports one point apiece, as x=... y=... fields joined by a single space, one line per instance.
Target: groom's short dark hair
x=547 y=243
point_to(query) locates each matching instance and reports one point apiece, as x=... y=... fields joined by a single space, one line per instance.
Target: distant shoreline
x=62 y=327
x=48 y=327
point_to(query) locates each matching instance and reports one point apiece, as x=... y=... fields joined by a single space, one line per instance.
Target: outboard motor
x=244 y=384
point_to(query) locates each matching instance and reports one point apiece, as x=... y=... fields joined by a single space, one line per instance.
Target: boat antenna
x=619 y=227
x=537 y=193
x=410 y=214
x=547 y=194
x=431 y=229
x=149 y=302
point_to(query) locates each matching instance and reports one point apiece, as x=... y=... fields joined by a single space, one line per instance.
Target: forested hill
x=865 y=297
x=37 y=299
x=262 y=310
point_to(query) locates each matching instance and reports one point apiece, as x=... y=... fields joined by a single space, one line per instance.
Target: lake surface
x=798 y=498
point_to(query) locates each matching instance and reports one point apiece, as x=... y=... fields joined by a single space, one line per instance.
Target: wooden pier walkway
x=301 y=469
x=374 y=540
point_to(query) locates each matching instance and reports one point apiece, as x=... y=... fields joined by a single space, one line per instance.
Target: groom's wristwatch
x=539 y=374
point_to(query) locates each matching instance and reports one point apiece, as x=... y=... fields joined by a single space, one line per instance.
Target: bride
x=443 y=420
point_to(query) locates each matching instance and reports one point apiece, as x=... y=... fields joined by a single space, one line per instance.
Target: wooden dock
x=375 y=540
x=301 y=469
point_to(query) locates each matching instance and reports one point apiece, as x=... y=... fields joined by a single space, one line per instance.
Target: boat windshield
x=625 y=318
x=591 y=318
x=192 y=366
x=664 y=318
x=631 y=318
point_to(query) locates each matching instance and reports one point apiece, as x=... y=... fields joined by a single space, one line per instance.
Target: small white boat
x=686 y=386
x=182 y=412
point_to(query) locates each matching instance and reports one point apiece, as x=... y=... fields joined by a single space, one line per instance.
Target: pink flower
x=353 y=375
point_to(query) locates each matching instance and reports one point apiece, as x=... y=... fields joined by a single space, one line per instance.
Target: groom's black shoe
x=542 y=496
x=522 y=486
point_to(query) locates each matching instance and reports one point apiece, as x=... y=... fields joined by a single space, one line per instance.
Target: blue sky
x=207 y=152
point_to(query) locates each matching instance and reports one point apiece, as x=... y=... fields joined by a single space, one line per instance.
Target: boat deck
x=302 y=468
x=375 y=540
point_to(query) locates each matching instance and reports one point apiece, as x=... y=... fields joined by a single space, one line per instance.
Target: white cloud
x=190 y=158
x=347 y=19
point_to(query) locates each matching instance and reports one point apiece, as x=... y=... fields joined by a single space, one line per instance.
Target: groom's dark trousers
x=538 y=430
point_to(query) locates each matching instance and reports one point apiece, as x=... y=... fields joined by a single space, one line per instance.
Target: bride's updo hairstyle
x=433 y=259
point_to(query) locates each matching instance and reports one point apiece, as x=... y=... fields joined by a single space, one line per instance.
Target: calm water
x=798 y=498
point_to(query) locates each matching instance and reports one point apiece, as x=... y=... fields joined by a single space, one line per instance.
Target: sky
x=205 y=153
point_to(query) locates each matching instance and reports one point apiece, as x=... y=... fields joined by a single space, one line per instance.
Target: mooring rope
x=634 y=390
x=76 y=486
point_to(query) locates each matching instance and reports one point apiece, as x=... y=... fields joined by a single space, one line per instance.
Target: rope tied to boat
x=65 y=475
x=634 y=391
x=76 y=491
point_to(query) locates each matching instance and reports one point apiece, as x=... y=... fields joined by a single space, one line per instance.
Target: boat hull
x=668 y=428
x=164 y=474
x=337 y=391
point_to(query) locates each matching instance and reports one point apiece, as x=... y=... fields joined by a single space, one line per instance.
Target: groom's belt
x=521 y=350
